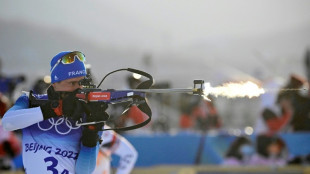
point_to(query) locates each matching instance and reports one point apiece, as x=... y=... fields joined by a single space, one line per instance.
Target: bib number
x=52 y=167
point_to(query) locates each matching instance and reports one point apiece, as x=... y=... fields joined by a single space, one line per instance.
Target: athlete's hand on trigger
x=96 y=114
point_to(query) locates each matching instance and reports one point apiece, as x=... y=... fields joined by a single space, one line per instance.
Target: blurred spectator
x=115 y=144
x=5 y=104
x=199 y=114
x=293 y=106
x=162 y=107
x=206 y=115
x=10 y=148
x=301 y=103
x=9 y=83
x=268 y=102
x=271 y=151
x=40 y=86
x=277 y=123
x=186 y=121
x=307 y=67
x=186 y=105
x=10 y=145
x=239 y=153
x=293 y=102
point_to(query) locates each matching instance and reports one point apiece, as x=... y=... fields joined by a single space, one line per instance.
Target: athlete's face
x=68 y=85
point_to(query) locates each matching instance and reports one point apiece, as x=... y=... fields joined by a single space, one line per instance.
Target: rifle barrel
x=171 y=90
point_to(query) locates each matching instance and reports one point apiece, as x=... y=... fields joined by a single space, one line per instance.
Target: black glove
x=90 y=136
x=70 y=105
x=95 y=113
x=61 y=103
x=48 y=109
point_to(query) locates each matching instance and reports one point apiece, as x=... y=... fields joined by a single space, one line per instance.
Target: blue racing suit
x=51 y=146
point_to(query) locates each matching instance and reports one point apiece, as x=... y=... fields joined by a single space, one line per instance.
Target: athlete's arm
x=20 y=115
x=87 y=158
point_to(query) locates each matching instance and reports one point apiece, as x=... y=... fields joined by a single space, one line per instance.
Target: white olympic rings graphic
x=59 y=122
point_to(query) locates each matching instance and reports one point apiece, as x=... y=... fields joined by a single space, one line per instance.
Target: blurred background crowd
x=266 y=42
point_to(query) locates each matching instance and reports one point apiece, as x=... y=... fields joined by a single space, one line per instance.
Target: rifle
x=96 y=97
